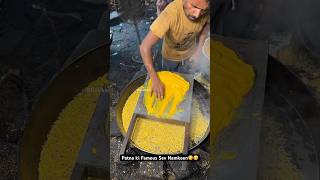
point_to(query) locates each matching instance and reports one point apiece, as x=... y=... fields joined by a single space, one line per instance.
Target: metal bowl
x=75 y=75
x=199 y=92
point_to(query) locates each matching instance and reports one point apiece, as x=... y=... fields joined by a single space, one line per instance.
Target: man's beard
x=192 y=18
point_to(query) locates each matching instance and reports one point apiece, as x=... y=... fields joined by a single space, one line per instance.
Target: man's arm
x=146 y=53
x=158 y=29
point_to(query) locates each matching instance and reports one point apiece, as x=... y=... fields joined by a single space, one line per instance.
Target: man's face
x=194 y=9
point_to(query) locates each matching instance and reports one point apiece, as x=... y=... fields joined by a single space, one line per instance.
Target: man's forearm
x=146 y=54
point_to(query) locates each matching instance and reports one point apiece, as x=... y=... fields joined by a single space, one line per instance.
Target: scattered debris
x=14 y=106
x=96 y=2
x=176 y=167
x=129 y=66
x=151 y=169
x=204 y=158
x=276 y=162
x=8 y=161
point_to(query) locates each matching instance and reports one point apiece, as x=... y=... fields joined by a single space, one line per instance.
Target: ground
x=301 y=62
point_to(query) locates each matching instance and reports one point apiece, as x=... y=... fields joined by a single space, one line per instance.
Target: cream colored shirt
x=178 y=32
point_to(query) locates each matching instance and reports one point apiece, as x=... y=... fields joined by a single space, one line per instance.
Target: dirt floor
x=301 y=62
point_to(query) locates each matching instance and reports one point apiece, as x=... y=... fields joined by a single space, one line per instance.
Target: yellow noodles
x=175 y=90
x=231 y=80
x=61 y=149
x=159 y=137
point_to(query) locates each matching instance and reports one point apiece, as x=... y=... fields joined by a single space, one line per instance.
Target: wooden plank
x=186 y=138
x=186 y=145
x=128 y=135
x=94 y=153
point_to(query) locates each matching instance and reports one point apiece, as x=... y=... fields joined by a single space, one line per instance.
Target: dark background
x=37 y=36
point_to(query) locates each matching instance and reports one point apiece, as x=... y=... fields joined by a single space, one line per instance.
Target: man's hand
x=157 y=87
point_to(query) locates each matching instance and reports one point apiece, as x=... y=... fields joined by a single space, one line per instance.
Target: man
x=180 y=24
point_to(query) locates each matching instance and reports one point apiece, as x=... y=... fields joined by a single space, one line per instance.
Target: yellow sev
x=65 y=138
x=231 y=81
x=175 y=90
x=160 y=137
